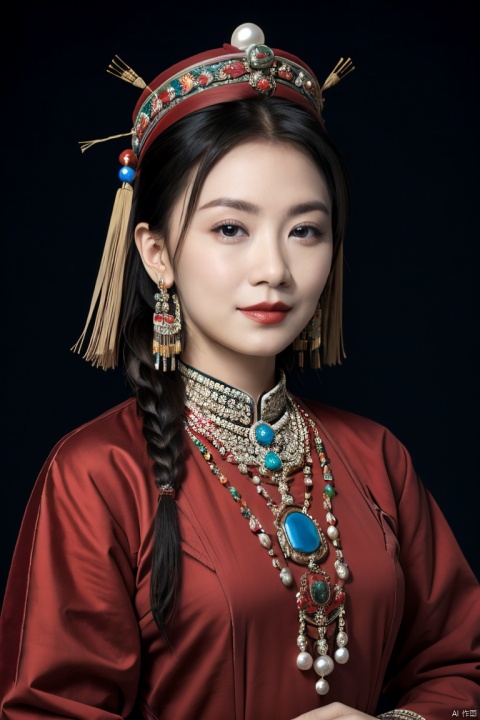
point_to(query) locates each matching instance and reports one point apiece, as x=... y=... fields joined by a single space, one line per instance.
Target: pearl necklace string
x=318 y=603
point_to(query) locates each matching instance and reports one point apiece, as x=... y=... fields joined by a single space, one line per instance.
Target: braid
x=160 y=401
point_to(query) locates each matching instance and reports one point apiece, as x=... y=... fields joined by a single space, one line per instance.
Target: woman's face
x=256 y=255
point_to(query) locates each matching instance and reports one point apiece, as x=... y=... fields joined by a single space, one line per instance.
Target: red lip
x=266 y=313
x=267 y=307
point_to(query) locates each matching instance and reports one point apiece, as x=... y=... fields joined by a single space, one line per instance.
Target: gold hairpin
x=341 y=69
x=120 y=69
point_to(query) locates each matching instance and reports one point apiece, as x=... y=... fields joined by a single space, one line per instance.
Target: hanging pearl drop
x=286 y=576
x=342 y=639
x=247 y=34
x=332 y=532
x=304 y=661
x=342 y=570
x=322 y=687
x=265 y=541
x=341 y=655
x=323 y=665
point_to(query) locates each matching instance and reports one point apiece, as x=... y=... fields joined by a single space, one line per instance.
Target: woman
x=216 y=548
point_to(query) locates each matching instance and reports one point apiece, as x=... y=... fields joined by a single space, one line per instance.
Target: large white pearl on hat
x=246 y=35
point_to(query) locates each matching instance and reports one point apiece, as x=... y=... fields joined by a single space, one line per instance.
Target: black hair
x=185 y=153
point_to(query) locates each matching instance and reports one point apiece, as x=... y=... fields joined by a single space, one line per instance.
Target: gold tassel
x=300 y=345
x=123 y=71
x=102 y=350
x=341 y=69
x=331 y=305
x=314 y=330
x=85 y=144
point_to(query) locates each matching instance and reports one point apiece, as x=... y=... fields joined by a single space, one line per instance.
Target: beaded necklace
x=320 y=603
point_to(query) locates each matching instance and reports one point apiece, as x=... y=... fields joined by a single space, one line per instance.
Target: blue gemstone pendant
x=300 y=536
x=264 y=434
x=272 y=461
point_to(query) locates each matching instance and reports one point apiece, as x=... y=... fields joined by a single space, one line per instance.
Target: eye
x=229 y=230
x=307 y=232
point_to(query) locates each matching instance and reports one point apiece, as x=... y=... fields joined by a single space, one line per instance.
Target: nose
x=269 y=261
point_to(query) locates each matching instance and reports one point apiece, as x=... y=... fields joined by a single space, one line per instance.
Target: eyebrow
x=253 y=209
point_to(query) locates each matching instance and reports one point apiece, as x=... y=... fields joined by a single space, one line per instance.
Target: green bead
x=328 y=490
x=320 y=592
x=234 y=493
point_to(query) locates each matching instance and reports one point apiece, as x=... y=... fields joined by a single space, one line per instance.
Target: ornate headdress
x=242 y=69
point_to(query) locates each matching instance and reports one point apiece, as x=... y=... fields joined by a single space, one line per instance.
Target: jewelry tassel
x=166 y=329
x=310 y=339
x=300 y=344
x=314 y=331
x=102 y=349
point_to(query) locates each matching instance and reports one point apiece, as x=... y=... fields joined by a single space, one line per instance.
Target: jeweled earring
x=310 y=339
x=166 y=329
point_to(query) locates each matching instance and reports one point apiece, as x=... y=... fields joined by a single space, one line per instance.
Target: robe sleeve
x=435 y=666
x=70 y=644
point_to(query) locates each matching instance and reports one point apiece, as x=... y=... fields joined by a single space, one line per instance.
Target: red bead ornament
x=128 y=157
x=285 y=75
x=263 y=85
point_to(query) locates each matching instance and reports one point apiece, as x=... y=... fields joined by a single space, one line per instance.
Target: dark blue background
x=406 y=121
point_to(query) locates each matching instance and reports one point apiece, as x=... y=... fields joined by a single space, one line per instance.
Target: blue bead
x=272 y=461
x=264 y=434
x=301 y=532
x=126 y=174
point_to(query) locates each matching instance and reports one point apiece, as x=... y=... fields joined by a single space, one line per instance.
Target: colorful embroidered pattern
x=259 y=67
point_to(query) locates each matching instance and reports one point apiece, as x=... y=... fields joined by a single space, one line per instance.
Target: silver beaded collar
x=222 y=402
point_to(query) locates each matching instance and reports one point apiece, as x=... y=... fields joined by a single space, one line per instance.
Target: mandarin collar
x=219 y=401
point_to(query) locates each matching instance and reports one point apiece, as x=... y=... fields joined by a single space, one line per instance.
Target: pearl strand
x=323 y=664
x=255 y=526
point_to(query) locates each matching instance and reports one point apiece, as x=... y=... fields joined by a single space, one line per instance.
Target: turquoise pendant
x=301 y=532
x=300 y=536
x=272 y=461
x=264 y=434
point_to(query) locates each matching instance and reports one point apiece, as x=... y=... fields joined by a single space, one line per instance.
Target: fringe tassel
x=332 y=312
x=102 y=350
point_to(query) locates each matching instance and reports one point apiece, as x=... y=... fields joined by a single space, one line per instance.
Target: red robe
x=78 y=639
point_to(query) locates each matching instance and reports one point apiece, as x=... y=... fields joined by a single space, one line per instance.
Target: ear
x=154 y=254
